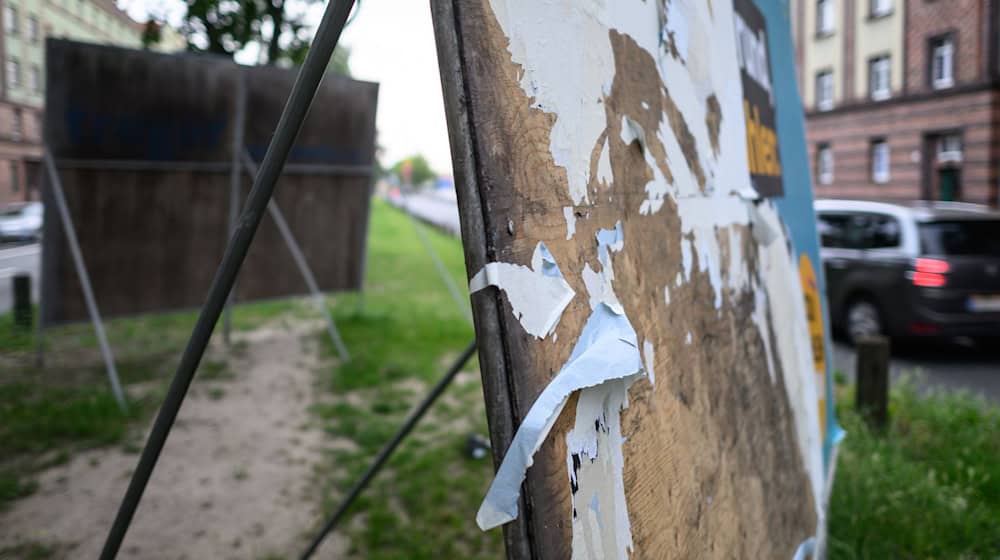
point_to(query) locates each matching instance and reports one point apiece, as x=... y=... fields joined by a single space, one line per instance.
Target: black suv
x=927 y=269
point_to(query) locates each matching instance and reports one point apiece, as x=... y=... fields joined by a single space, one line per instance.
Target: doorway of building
x=948 y=183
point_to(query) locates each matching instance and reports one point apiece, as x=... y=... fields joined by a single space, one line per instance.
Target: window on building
x=949 y=148
x=34 y=29
x=17 y=124
x=35 y=79
x=15 y=177
x=824 y=164
x=878 y=78
x=10 y=22
x=880 y=160
x=13 y=73
x=942 y=62
x=824 y=90
x=824 y=17
x=880 y=8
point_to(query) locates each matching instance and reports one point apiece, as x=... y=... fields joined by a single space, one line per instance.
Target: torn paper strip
x=537 y=295
x=607 y=349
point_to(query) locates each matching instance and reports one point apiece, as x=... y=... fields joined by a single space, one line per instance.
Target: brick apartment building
x=24 y=26
x=902 y=97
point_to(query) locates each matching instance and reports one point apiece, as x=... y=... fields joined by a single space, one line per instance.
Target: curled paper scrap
x=607 y=349
x=537 y=295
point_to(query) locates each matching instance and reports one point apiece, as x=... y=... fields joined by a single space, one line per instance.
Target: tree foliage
x=420 y=169
x=227 y=26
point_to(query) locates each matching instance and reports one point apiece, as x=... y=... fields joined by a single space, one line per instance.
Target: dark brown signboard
x=144 y=144
x=758 y=99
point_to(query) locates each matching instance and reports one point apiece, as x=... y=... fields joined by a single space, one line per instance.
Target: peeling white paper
x=607 y=349
x=537 y=295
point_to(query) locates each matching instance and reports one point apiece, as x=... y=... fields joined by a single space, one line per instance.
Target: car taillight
x=930 y=273
x=934 y=266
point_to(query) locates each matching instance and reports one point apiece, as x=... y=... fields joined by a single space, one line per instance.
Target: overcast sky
x=391 y=43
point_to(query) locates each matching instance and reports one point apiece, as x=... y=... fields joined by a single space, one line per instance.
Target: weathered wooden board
x=153 y=237
x=614 y=136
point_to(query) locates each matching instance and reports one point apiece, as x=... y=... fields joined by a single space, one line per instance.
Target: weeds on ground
x=929 y=487
x=66 y=404
x=423 y=504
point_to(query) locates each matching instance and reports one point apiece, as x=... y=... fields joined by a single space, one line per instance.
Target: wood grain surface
x=712 y=467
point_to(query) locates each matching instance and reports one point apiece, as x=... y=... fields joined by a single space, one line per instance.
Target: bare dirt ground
x=234 y=480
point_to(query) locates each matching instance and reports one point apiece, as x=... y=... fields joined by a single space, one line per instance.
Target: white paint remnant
x=605 y=176
x=678 y=27
x=666 y=294
x=686 y=260
x=594 y=459
x=633 y=132
x=606 y=350
x=571 y=85
x=537 y=295
x=599 y=284
x=687 y=339
x=570 y=222
x=650 y=360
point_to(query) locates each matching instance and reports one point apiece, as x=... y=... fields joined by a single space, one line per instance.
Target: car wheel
x=863 y=319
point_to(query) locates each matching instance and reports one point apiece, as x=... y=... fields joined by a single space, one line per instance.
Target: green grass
x=423 y=504
x=34 y=418
x=929 y=487
x=28 y=551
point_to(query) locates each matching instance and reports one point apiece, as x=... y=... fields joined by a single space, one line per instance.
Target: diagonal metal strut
x=300 y=262
x=295 y=111
x=387 y=450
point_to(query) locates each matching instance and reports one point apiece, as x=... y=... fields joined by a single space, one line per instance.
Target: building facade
x=24 y=26
x=902 y=97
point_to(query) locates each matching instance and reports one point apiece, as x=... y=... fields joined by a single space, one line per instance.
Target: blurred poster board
x=641 y=246
x=144 y=145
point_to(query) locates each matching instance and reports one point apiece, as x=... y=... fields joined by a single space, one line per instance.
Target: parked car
x=21 y=222
x=919 y=270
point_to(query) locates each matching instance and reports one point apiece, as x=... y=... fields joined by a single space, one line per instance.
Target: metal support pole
x=81 y=272
x=300 y=262
x=388 y=449
x=21 y=290
x=235 y=174
x=303 y=91
x=449 y=281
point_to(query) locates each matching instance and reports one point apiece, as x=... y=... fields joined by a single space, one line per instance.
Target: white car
x=21 y=222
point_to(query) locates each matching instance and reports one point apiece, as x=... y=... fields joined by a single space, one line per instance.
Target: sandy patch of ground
x=234 y=480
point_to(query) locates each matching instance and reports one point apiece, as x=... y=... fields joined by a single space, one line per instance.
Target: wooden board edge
x=501 y=406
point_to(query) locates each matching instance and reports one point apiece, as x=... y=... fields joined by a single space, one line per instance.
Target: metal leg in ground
x=449 y=282
x=303 y=266
x=387 y=451
x=81 y=272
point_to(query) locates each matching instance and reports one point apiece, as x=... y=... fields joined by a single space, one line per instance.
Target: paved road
x=15 y=259
x=436 y=208
x=943 y=365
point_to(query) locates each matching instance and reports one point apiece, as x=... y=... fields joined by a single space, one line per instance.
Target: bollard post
x=22 y=302
x=872 y=397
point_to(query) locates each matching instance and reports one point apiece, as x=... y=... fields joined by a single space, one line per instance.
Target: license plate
x=984 y=303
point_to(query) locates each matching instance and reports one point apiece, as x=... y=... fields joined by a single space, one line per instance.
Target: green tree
x=227 y=26
x=151 y=33
x=420 y=170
